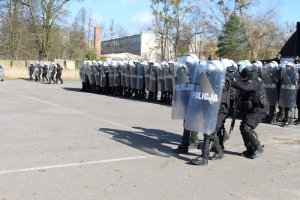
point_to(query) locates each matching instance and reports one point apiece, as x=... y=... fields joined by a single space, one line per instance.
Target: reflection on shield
x=206 y=86
x=181 y=76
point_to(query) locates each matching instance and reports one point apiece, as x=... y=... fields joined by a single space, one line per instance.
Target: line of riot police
x=207 y=93
x=204 y=94
x=51 y=73
x=281 y=83
x=131 y=79
x=145 y=80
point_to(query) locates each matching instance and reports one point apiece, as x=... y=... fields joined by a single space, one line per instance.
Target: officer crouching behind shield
x=254 y=107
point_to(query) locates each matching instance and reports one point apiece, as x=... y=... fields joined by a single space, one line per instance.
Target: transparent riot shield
x=182 y=89
x=141 y=76
x=269 y=76
x=204 y=104
x=289 y=86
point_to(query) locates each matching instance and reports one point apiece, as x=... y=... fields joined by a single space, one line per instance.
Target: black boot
x=257 y=152
x=183 y=148
x=203 y=159
x=257 y=148
x=297 y=121
x=219 y=154
x=249 y=150
x=280 y=115
x=194 y=140
x=288 y=117
x=271 y=118
x=248 y=145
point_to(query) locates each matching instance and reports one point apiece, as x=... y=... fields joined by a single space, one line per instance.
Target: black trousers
x=250 y=121
x=58 y=77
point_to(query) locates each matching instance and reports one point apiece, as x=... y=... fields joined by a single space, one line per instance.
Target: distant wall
x=67 y=64
x=15 y=63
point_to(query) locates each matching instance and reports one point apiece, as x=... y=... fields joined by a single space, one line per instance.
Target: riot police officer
x=31 y=70
x=288 y=91
x=254 y=107
x=52 y=71
x=58 y=73
x=45 y=72
x=37 y=71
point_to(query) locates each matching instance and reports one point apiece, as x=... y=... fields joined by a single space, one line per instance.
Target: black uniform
x=58 y=74
x=44 y=73
x=255 y=107
x=31 y=70
x=189 y=139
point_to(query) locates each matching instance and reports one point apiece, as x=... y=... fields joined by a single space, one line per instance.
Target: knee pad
x=244 y=128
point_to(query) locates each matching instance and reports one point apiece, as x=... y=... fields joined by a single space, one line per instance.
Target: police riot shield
x=289 y=86
x=128 y=76
x=84 y=72
x=141 y=76
x=36 y=70
x=182 y=89
x=147 y=76
x=269 y=76
x=117 y=76
x=168 y=74
x=204 y=103
x=111 y=71
x=133 y=72
x=184 y=69
x=123 y=74
x=90 y=73
x=103 y=75
x=51 y=69
x=96 y=73
x=80 y=74
x=153 y=77
x=161 y=77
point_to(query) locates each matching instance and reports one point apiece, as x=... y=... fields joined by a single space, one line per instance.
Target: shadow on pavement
x=72 y=89
x=152 y=141
x=233 y=153
x=33 y=80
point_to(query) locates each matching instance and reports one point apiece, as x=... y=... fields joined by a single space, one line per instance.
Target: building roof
x=292 y=46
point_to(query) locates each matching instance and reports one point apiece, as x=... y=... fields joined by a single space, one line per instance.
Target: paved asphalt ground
x=59 y=143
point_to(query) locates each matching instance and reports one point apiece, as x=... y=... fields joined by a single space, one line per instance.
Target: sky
x=131 y=14
x=135 y=15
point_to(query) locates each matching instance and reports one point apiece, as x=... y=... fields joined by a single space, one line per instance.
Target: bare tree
x=162 y=23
